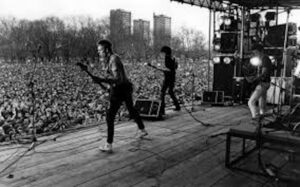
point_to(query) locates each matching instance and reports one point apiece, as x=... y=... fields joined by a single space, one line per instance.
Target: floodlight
x=272 y=58
x=255 y=61
x=227 y=21
x=216 y=60
x=227 y=60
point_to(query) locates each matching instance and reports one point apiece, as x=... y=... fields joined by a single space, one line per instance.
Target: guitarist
x=262 y=80
x=120 y=91
x=169 y=79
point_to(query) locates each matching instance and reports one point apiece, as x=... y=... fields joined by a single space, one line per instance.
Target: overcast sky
x=181 y=14
x=194 y=17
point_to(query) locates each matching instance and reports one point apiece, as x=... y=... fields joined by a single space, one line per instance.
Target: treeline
x=68 y=38
x=56 y=39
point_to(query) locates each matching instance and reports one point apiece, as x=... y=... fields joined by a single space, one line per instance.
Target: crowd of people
x=52 y=96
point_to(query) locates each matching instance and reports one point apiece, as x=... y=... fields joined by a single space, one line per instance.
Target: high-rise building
x=161 y=31
x=120 y=22
x=141 y=36
x=120 y=29
x=141 y=29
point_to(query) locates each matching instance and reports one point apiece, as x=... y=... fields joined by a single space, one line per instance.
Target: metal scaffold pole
x=209 y=51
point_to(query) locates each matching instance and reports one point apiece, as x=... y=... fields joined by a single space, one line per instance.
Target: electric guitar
x=250 y=74
x=158 y=68
x=85 y=69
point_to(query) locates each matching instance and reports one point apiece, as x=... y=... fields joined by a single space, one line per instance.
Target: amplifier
x=213 y=97
x=149 y=108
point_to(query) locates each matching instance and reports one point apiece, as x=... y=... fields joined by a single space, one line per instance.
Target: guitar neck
x=100 y=84
x=89 y=73
x=157 y=68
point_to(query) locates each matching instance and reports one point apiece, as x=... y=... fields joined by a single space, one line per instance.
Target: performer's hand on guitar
x=97 y=80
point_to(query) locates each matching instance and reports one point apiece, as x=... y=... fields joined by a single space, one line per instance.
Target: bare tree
x=189 y=42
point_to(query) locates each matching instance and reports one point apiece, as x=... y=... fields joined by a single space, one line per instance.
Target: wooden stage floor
x=179 y=151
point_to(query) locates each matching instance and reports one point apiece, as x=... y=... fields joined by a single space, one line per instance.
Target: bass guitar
x=84 y=68
x=158 y=68
x=250 y=74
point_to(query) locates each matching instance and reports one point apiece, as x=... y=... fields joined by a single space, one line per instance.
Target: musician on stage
x=169 y=79
x=262 y=81
x=120 y=91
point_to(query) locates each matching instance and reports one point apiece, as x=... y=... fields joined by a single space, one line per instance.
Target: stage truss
x=222 y=5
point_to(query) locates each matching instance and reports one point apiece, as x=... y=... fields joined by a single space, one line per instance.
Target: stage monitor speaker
x=228 y=42
x=148 y=108
x=223 y=74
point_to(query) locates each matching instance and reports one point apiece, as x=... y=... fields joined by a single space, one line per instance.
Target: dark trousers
x=168 y=85
x=117 y=97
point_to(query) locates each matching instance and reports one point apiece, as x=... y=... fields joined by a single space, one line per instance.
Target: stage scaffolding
x=241 y=9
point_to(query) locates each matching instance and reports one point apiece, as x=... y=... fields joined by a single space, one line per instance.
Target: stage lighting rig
x=226 y=60
x=228 y=23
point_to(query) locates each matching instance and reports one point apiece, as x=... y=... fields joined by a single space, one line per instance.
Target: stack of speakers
x=223 y=74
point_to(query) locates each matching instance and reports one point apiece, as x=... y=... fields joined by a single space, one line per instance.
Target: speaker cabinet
x=223 y=76
x=228 y=42
x=276 y=35
x=148 y=108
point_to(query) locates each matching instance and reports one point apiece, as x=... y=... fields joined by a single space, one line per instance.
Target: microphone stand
x=193 y=91
x=30 y=86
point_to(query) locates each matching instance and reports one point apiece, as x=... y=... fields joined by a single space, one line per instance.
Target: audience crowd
x=50 y=97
